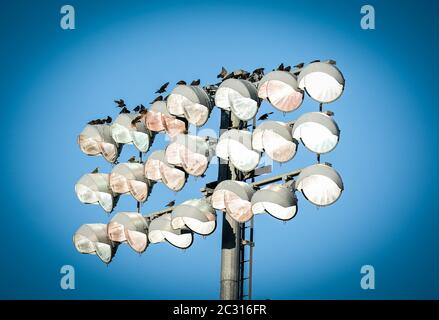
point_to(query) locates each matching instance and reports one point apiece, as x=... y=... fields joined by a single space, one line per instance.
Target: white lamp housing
x=124 y=131
x=93 y=239
x=94 y=188
x=129 y=178
x=158 y=119
x=158 y=169
x=160 y=230
x=96 y=140
x=129 y=227
x=196 y=214
x=277 y=200
x=239 y=96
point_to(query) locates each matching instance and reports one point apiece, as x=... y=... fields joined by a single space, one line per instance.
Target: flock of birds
x=253 y=76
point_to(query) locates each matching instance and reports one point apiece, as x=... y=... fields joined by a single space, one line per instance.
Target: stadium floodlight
x=129 y=227
x=96 y=140
x=160 y=230
x=128 y=128
x=94 y=188
x=239 y=96
x=280 y=88
x=158 y=119
x=190 y=102
x=317 y=131
x=277 y=200
x=275 y=138
x=234 y=198
x=236 y=146
x=93 y=239
x=196 y=214
x=320 y=184
x=130 y=178
x=322 y=81
x=192 y=153
x=158 y=169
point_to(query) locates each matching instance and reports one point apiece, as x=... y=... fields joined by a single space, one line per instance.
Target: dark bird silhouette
x=223 y=73
x=264 y=116
x=181 y=82
x=136 y=119
x=287 y=68
x=300 y=65
x=120 y=103
x=137 y=109
x=162 y=88
x=159 y=98
x=241 y=74
x=108 y=120
x=124 y=110
x=95 y=170
x=101 y=121
x=281 y=67
x=258 y=71
x=315 y=61
x=171 y=204
x=132 y=159
x=195 y=82
x=331 y=61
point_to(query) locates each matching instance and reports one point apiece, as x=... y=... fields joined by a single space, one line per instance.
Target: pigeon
x=162 y=88
x=331 y=61
x=124 y=110
x=120 y=103
x=171 y=204
x=195 y=82
x=300 y=65
x=223 y=73
x=264 y=116
x=258 y=71
x=100 y=121
x=132 y=159
x=281 y=67
x=287 y=68
x=108 y=120
x=159 y=98
x=181 y=82
x=135 y=120
x=315 y=61
x=95 y=170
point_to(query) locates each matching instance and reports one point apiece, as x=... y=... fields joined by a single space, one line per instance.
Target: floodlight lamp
x=129 y=178
x=129 y=227
x=160 y=230
x=158 y=169
x=236 y=146
x=94 y=188
x=190 y=102
x=239 y=96
x=280 y=88
x=192 y=153
x=234 y=198
x=322 y=81
x=275 y=139
x=196 y=214
x=158 y=119
x=128 y=128
x=97 y=140
x=277 y=200
x=320 y=184
x=317 y=131
x=93 y=239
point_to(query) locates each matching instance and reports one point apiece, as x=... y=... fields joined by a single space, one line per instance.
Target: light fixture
x=196 y=214
x=158 y=119
x=192 y=153
x=94 y=188
x=239 y=96
x=160 y=230
x=130 y=178
x=130 y=227
x=322 y=81
x=158 y=169
x=93 y=239
x=191 y=102
x=234 y=198
x=97 y=139
x=275 y=139
x=277 y=200
x=317 y=131
x=280 y=88
x=130 y=128
x=320 y=184
x=236 y=146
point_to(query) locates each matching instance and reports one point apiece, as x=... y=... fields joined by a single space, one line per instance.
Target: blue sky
x=54 y=81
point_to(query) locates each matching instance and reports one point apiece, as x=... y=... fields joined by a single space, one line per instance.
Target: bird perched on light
x=181 y=82
x=96 y=170
x=159 y=98
x=101 y=121
x=162 y=88
x=120 y=103
x=223 y=73
x=132 y=159
x=139 y=108
x=264 y=116
x=136 y=119
x=171 y=204
x=281 y=67
x=195 y=82
x=124 y=110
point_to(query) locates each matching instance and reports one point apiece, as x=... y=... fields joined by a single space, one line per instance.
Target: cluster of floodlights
x=241 y=93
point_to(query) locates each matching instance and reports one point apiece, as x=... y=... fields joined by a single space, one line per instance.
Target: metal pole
x=230 y=247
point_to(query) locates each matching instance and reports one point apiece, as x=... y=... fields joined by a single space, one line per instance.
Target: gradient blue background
x=54 y=81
